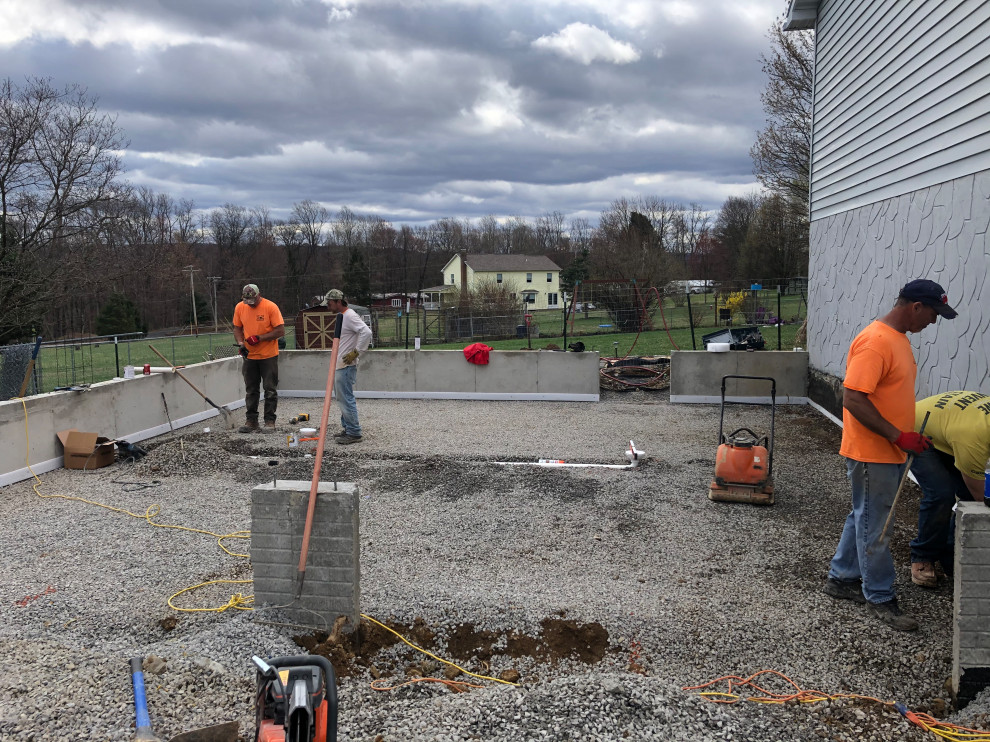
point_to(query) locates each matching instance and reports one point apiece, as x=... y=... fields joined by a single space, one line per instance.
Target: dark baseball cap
x=930 y=293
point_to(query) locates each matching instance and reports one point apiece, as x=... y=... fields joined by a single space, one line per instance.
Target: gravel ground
x=687 y=590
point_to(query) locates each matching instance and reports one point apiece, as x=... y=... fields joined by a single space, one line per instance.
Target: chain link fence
x=17 y=377
x=597 y=312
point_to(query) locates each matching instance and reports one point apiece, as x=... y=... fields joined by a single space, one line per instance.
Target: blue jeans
x=941 y=483
x=860 y=556
x=343 y=390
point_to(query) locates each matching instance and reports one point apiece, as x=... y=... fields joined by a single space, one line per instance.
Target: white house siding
x=902 y=100
x=860 y=259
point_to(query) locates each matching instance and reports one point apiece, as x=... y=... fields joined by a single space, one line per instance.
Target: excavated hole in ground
x=466 y=645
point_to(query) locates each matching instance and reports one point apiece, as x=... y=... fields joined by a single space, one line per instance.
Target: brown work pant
x=258 y=373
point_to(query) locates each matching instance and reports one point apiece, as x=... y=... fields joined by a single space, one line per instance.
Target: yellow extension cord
x=238 y=601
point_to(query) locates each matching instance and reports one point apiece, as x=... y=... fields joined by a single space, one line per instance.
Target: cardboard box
x=86 y=450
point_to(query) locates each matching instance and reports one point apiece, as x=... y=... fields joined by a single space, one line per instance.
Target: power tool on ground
x=302 y=417
x=296 y=700
x=744 y=460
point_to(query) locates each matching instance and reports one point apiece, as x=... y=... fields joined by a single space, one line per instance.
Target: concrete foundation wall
x=332 y=584
x=446 y=374
x=133 y=410
x=696 y=376
x=971 y=630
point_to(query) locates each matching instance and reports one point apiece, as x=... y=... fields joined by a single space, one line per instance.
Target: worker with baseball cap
x=355 y=339
x=258 y=325
x=930 y=294
x=878 y=430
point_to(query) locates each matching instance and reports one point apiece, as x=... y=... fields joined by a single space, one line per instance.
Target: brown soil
x=558 y=639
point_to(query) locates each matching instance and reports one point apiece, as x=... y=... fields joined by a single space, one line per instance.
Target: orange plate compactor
x=744 y=460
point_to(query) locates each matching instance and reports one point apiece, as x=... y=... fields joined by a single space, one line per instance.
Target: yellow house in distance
x=533 y=279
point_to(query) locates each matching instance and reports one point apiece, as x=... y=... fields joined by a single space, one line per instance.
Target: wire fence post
x=691 y=321
x=778 y=316
x=116 y=354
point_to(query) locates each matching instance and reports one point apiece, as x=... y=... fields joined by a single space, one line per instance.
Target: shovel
x=228 y=418
x=142 y=726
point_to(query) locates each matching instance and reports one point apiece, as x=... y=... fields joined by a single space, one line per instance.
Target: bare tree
x=776 y=246
x=189 y=229
x=346 y=228
x=731 y=228
x=782 y=152
x=489 y=234
x=550 y=231
x=580 y=235
x=59 y=162
x=311 y=219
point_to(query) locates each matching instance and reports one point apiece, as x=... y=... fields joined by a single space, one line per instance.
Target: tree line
x=78 y=241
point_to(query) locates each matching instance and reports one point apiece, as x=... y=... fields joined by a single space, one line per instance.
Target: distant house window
x=451 y=279
x=549 y=277
x=529 y=278
x=551 y=300
x=396 y=302
x=498 y=278
x=530 y=297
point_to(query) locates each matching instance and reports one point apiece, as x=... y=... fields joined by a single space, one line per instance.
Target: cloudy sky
x=414 y=110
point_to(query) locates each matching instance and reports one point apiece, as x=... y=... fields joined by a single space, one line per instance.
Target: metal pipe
x=317 y=465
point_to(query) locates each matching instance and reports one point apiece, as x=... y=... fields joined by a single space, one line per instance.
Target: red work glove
x=913 y=442
x=253 y=340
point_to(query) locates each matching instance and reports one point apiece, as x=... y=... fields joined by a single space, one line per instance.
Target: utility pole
x=192 y=293
x=214 y=280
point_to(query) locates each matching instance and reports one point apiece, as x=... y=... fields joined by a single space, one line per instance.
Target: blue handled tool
x=142 y=724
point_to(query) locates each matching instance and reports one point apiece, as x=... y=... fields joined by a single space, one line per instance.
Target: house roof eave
x=801 y=15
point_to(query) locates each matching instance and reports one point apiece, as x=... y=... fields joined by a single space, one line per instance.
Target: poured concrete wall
x=446 y=374
x=133 y=410
x=696 y=375
x=332 y=583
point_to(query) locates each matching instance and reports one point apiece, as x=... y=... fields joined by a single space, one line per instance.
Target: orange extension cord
x=941 y=729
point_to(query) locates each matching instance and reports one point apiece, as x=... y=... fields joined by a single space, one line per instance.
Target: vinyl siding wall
x=902 y=98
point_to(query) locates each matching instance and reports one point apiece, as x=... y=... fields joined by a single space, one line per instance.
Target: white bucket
x=306 y=432
x=718 y=347
x=128 y=372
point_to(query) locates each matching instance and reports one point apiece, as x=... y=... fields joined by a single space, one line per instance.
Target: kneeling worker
x=954 y=467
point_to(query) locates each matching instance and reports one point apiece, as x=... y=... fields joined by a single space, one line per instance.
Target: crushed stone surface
x=603 y=593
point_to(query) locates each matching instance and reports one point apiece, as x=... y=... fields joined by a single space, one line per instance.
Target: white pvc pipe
x=632 y=453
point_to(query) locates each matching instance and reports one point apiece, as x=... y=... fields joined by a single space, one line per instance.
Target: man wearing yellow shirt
x=954 y=467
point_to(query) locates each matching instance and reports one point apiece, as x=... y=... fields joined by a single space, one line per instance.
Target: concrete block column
x=332 y=586
x=971 y=629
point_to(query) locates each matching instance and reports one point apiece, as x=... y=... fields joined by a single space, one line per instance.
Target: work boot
x=346 y=439
x=269 y=426
x=250 y=426
x=851 y=590
x=923 y=573
x=891 y=614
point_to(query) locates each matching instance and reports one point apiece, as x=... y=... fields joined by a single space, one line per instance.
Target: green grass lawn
x=651 y=343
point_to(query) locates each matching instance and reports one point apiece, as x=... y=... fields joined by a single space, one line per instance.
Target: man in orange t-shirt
x=877 y=430
x=258 y=325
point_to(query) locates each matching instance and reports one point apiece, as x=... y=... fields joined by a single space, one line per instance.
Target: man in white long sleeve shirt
x=355 y=337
